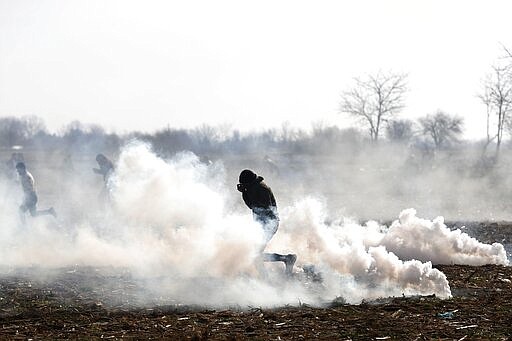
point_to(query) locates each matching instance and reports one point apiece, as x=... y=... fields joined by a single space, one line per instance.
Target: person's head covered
x=247 y=176
x=20 y=167
x=101 y=159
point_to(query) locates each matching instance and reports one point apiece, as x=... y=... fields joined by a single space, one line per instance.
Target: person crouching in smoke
x=260 y=199
x=29 y=195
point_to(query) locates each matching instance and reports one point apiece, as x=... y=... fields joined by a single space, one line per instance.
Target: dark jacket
x=260 y=199
x=106 y=168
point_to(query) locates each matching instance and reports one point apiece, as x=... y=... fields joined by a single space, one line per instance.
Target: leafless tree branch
x=375 y=100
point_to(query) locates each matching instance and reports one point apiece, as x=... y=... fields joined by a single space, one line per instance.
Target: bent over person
x=106 y=167
x=260 y=199
x=29 y=195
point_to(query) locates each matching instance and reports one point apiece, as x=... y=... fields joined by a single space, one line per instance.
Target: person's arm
x=271 y=198
x=246 y=200
x=97 y=171
x=264 y=197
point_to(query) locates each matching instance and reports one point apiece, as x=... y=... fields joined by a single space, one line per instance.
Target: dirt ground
x=82 y=303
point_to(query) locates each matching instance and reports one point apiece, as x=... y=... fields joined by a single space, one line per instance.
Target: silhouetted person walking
x=260 y=199
x=29 y=195
x=106 y=167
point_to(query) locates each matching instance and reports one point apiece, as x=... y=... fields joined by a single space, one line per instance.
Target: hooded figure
x=106 y=167
x=260 y=199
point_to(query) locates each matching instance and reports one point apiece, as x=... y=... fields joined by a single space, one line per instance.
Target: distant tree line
x=375 y=101
x=437 y=131
x=31 y=132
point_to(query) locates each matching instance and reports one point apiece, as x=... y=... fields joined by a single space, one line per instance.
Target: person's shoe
x=52 y=212
x=289 y=263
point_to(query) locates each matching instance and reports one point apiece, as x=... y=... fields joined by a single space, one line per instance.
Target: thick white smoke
x=169 y=224
x=175 y=208
x=411 y=237
x=353 y=253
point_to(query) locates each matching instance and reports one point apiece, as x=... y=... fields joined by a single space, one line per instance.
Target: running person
x=30 y=195
x=260 y=199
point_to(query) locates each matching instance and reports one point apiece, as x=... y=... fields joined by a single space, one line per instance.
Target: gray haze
x=183 y=96
x=144 y=65
x=176 y=223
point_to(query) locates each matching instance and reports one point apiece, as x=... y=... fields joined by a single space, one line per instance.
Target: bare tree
x=442 y=128
x=18 y=131
x=33 y=126
x=497 y=97
x=11 y=131
x=507 y=52
x=375 y=100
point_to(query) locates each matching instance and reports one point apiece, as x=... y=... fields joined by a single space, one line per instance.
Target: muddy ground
x=90 y=303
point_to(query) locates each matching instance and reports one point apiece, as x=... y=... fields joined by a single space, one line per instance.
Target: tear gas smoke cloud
x=413 y=238
x=177 y=203
x=170 y=224
x=352 y=252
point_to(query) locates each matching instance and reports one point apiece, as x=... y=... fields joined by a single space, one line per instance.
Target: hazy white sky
x=145 y=64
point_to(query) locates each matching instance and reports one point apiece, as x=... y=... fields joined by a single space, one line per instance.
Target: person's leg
x=272 y=257
x=265 y=257
x=49 y=211
x=288 y=260
x=22 y=211
x=270 y=228
x=30 y=203
x=33 y=211
x=36 y=213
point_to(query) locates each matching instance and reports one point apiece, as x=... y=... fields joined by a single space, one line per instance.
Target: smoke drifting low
x=411 y=237
x=173 y=223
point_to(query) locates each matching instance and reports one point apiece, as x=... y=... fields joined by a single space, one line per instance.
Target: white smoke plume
x=353 y=252
x=411 y=237
x=169 y=223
